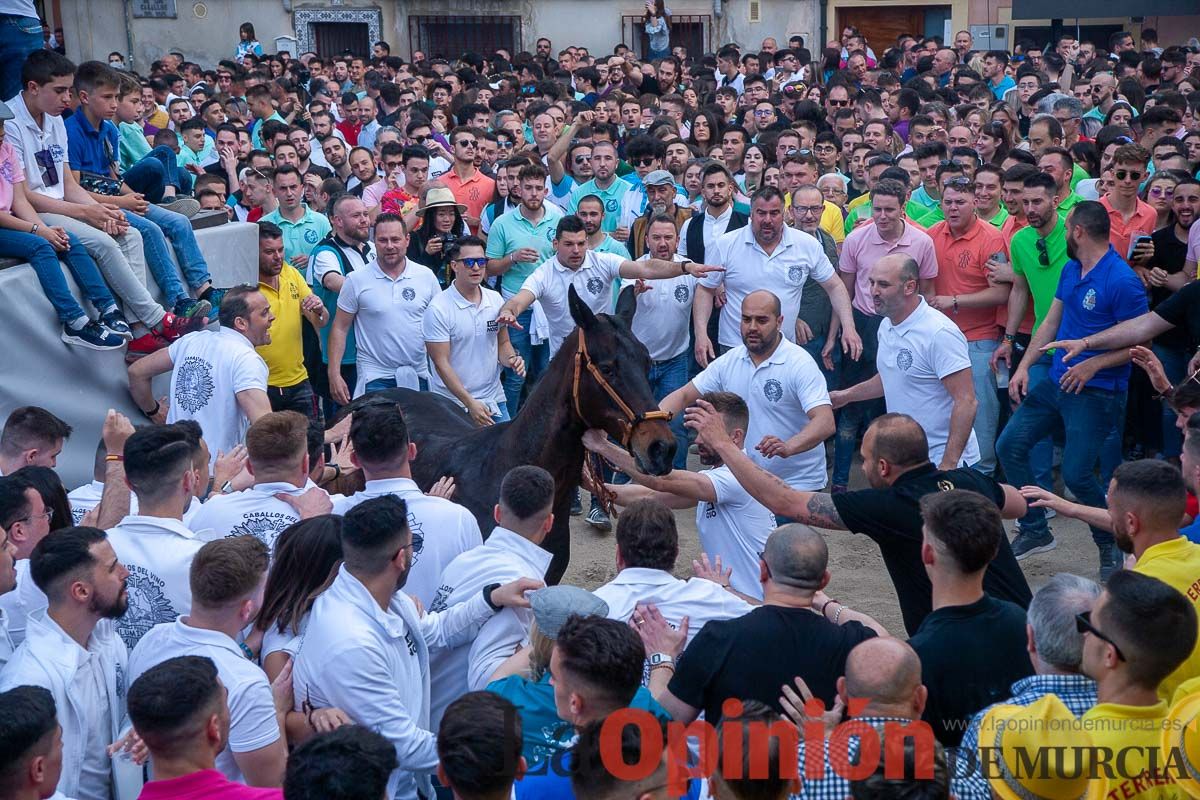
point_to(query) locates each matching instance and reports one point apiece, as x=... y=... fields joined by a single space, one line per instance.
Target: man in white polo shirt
x=154 y=544
x=277 y=446
x=217 y=377
x=465 y=344
x=226 y=579
x=441 y=529
x=663 y=321
x=385 y=303
x=591 y=273
x=790 y=412
x=924 y=369
x=647 y=546
x=768 y=254
x=523 y=518
x=732 y=525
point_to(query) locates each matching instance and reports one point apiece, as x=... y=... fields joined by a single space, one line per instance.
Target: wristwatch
x=683 y=265
x=487 y=595
x=661 y=659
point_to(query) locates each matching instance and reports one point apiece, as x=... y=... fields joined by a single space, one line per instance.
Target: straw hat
x=439 y=197
x=1044 y=731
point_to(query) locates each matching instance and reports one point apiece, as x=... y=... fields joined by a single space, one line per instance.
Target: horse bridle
x=630 y=420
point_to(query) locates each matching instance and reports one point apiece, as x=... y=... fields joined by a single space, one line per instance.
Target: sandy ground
x=858 y=575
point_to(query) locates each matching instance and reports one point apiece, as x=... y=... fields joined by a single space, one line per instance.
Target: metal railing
x=450 y=37
x=692 y=31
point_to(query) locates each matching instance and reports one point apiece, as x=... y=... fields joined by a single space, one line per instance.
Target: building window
x=450 y=37
x=334 y=28
x=687 y=30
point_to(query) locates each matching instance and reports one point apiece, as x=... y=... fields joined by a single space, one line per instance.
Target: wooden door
x=881 y=24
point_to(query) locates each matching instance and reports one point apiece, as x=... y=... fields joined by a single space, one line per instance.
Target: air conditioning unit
x=990 y=37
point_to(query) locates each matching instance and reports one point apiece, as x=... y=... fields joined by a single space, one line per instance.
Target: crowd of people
x=976 y=271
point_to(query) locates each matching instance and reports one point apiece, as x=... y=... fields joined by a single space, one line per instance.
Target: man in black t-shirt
x=972 y=647
x=896 y=462
x=796 y=632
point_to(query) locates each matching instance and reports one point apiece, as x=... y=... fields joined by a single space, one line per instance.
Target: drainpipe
x=287 y=6
x=129 y=35
x=820 y=45
x=718 y=11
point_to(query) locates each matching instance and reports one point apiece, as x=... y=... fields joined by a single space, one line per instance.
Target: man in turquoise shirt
x=608 y=187
x=302 y=227
x=518 y=242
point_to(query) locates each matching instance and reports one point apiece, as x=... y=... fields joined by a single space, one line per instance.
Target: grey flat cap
x=660 y=177
x=552 y=605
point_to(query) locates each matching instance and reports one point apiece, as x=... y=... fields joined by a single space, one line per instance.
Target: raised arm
x=1127 y=334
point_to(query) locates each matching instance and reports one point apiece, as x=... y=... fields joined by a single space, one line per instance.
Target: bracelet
x=114 y=457
x=153 y=411
x=337 y=471
x=1010 y=338
x=35 y=227
x=838 y=615
x=663 y=665
x=1086 y=344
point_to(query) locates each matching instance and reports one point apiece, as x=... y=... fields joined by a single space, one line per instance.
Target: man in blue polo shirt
x=1096 y=291
x=93 y=142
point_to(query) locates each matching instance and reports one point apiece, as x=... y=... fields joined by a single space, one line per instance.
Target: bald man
x=790 y=412
x=886 y=673
x=751 y=656
x=924 y=369
x=897 y=468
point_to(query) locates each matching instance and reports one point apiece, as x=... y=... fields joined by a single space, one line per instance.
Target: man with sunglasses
x=1129 y=216
x=465 y=345
x=471 y=187
x=1139 y=632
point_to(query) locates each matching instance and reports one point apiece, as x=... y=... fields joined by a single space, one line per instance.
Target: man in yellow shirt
x=1139 y=631
x=291 y=300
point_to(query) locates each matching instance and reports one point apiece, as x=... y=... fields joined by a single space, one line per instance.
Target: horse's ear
x=580 y=312
x=627 y=305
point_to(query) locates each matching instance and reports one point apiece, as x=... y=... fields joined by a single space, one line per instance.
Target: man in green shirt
x=989 y=183
x=608 y=187
x=1058 y=164
x=518 y=242
x=302 y=227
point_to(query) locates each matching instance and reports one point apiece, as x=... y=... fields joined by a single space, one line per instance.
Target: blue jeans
x=503 y=416
x=665 y=377
x=987 y=413
x=536 y=358
x=1042 y=454
x=45 y=262
x=19 y=36
x=1047 y=408
x=156 y=171
x=379 y=384
x=1174 y=363
x=156 y=228
x=813 y=348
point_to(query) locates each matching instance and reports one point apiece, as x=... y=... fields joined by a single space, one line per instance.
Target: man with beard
x=676 y=160
x=338 y=160
x=72 y=649
x=897 y=468
x=659 y=187
x=1096 y=291
x=790 y=412
x=1146 y=501
x=309 y=161
x=924 y=369
x=608 y=187
x=767 y=254
x=591 y=213
x=336 y=257
x=366 y=648
x=733 y=526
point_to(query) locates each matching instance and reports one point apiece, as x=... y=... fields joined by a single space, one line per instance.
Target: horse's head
x=611 y=387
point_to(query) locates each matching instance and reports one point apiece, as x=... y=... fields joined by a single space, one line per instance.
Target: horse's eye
x=607 y=369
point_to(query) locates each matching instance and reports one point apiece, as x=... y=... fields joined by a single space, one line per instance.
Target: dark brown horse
x=567 y=401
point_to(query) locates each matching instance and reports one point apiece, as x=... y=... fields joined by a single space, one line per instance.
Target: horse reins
x=631 y=420
x=592 y=464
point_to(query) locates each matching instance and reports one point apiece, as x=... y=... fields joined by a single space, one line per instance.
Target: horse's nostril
x=661 y=453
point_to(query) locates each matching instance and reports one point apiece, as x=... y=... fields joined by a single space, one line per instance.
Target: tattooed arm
x=807 y=507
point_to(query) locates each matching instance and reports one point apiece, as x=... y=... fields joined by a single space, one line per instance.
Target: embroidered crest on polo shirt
x=148 y=605
x=904 y=358
x=263 y=525
x=310 y=236
x=610 y=206
x=595 y=285
x=194 y=386
x=682 y=293
x=795 y=275
x=1089 y=300
x=408 y=293
x=773 y=390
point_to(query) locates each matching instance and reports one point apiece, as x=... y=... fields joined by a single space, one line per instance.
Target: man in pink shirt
x=179 y=709
x=888 y=233
x=1128 y=215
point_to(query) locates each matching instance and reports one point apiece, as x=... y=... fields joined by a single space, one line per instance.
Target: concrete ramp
x=80 y=385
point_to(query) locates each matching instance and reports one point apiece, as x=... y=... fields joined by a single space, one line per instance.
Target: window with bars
x=450 y=37
x=687 y=30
